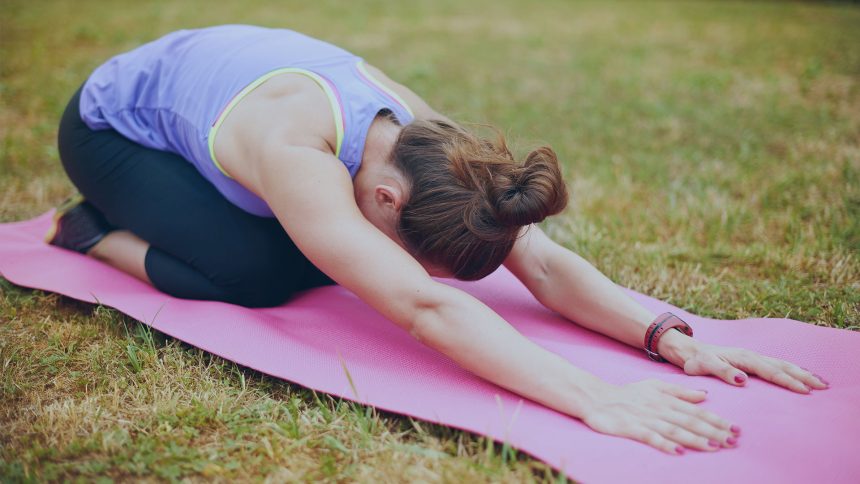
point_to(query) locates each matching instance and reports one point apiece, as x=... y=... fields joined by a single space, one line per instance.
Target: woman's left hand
x=734 y=365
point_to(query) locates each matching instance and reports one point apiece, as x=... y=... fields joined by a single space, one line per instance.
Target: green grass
x=713 y=150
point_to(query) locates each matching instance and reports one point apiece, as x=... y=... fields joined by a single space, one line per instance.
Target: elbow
x=432 y=312
x=418 y=306
x=540 y=281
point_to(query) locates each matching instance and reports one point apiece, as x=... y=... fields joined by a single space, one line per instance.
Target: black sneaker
x=77 y=225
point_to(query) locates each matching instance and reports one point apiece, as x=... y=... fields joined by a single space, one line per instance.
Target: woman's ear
x=388 y=197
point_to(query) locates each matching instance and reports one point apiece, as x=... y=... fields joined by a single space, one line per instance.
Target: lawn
x=712 y=149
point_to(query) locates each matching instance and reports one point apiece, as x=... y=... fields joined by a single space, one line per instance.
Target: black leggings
x=201 y=245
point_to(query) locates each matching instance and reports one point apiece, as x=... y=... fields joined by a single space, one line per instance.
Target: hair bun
x=531 y=192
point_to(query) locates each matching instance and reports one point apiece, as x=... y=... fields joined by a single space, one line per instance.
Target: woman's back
x=173 y=93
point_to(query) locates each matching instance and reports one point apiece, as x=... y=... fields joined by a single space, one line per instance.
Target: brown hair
x=468 y=198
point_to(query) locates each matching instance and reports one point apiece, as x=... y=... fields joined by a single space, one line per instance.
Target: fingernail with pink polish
x=740 y=379
x=731 y=441
x=679 y=450
x=713 y=443
x=735 y=429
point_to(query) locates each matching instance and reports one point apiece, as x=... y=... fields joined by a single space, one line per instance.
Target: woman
x=243 y=164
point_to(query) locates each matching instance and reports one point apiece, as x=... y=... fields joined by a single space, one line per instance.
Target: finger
x=711 y=365
x=783 y=379
x=654 y=439
x=713 y=435
x=687 y=394
x=683 y=436
x=771 y=369
x=810 y=379
x=699 y=413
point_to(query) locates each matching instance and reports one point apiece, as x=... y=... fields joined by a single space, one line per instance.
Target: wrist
x=581 y=393
x=676 y=347
x=593 y=399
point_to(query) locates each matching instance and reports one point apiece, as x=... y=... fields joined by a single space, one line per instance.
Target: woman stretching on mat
x=244 y=164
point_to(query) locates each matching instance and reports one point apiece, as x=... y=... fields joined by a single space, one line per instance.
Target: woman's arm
x=566 y=283
x=312 y=195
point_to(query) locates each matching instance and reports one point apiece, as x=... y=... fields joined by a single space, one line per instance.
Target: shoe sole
x=64 y=207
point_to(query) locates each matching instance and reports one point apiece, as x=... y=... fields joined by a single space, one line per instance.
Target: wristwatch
x=658 y=328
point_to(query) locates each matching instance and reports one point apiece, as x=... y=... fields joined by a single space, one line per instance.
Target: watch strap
x=658 y=328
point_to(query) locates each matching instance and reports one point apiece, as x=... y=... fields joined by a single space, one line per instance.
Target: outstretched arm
x=312 y=196
x=566 y=283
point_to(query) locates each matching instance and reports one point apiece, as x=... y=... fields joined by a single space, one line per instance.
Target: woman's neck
x=375 y=161
x=380 y=140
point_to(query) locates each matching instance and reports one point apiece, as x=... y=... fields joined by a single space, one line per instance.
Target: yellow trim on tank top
x=337 y=112
x=380 y=85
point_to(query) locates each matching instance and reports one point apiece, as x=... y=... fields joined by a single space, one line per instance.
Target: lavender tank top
x=172 y=94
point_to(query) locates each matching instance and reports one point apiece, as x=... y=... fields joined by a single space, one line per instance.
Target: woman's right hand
x=659 y=414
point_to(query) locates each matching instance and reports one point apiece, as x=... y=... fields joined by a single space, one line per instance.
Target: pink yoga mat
x=787 y=437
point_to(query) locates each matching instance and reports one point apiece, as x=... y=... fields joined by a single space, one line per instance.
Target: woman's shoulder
x=419 y=108
x=289 y=109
